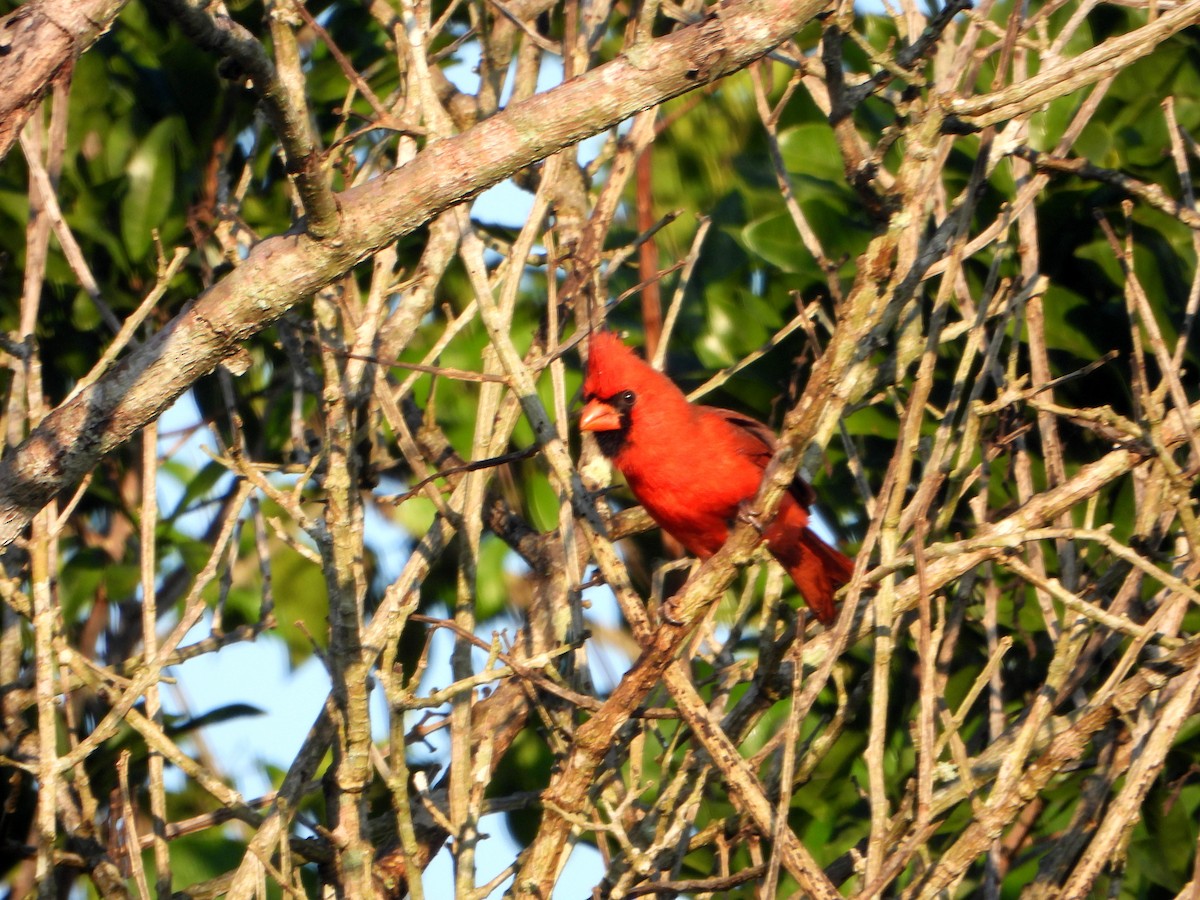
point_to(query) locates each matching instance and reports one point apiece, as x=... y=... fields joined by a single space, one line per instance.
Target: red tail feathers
x=818 y=570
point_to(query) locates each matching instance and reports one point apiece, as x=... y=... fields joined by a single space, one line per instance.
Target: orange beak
x=599 y=416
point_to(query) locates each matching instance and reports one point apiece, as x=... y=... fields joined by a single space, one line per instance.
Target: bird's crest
x=613 y=367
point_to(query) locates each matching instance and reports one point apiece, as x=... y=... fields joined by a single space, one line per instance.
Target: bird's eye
x=627 y=398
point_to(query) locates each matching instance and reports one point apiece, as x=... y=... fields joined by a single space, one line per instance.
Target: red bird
x=692 y=467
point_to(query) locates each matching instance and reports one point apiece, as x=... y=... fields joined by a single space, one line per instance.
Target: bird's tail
x=818 y=571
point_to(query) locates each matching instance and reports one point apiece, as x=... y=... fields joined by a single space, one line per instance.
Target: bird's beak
x=599 y=416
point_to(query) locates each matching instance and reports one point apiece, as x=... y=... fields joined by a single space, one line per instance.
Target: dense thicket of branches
x=950 y=253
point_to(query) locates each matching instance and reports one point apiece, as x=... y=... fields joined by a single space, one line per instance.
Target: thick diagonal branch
x=283 y=270
x=38 y=41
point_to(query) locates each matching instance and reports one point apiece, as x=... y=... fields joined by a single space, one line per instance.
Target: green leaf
x=197 y=486
x=303 y=602
x=1065 y=312
x=85 y=315
x=416 y=515
x=872 y=421
x=812 y=149
x=543 y=503
x=775 y=239
x=151 y=192
x=491 y=581
x=122 y=580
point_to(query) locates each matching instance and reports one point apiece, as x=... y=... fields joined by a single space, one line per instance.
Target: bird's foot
x=746 y=513
x=667 y=612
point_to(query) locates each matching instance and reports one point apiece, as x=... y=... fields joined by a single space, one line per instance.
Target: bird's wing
x=758 y=442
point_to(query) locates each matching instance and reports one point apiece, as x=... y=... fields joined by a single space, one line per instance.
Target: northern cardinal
x=692 y=467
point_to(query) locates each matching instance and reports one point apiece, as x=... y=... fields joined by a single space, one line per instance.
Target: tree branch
x=281 y=271
x=1071 y=74
x=38 y=41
